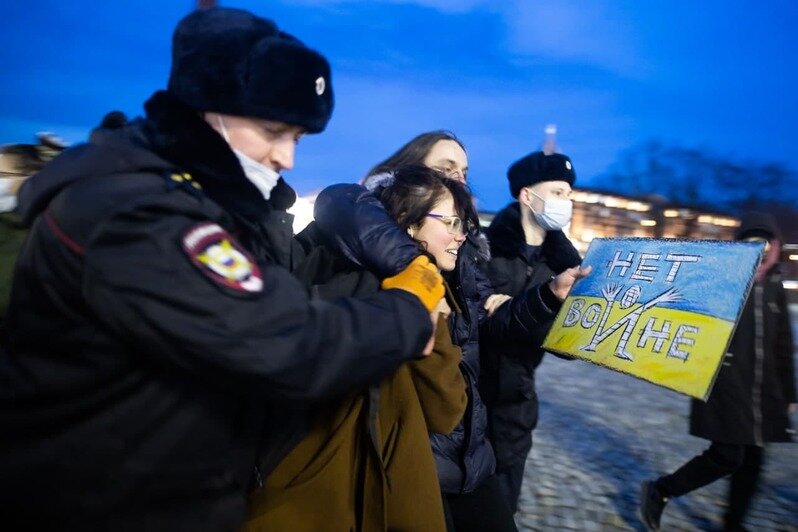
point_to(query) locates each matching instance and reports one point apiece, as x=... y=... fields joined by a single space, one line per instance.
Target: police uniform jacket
x=507 y=382
x=155 y=336
x=367 y=235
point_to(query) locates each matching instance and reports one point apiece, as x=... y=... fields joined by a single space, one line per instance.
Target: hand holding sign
x=561 y=284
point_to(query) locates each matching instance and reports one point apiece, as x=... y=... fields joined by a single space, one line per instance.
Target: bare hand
x=792 y=408
x=443 y=309
x=561 y=285
x=494 y=301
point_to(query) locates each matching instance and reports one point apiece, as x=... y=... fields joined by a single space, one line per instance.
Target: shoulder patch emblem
x=218 y=256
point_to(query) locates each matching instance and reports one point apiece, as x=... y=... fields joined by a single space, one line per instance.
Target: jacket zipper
x=759 y=356
x=468 y=426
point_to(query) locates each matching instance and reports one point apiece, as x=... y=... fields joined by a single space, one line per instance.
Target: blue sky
x=719 y=75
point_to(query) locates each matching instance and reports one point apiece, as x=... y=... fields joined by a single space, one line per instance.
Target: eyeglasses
x=452 y=173
x=454 y=225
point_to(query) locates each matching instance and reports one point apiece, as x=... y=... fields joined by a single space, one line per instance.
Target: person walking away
x=753 y=394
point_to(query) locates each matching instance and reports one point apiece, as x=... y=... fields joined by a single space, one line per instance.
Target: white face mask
x=260 y=175
x=556 y=213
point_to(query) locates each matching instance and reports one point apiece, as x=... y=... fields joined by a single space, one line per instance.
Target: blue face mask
x=260 y=175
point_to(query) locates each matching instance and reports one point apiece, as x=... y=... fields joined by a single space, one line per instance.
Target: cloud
x=498 y=124
x=597 y=33
x=447 y=6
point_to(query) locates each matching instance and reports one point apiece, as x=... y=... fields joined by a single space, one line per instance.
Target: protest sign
x=660 y=310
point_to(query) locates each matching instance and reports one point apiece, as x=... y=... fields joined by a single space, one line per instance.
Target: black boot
x=651 y=505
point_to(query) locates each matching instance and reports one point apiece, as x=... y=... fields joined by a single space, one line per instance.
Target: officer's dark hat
x=538 y=167
x=233 y=62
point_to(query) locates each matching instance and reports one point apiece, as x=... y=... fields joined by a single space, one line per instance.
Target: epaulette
x=184 y=181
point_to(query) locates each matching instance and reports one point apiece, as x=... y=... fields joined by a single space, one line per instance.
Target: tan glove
x=420 y=278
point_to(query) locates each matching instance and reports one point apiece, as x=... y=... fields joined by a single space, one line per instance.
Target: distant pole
x=550 y=144
x=206 y=4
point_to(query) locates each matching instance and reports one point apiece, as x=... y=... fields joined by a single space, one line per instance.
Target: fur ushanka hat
x=233 y=62
x=538 y=167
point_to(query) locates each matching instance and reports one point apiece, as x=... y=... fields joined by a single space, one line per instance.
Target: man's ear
x=524 y=197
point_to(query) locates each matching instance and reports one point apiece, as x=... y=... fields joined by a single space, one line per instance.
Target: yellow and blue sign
x=660 y=310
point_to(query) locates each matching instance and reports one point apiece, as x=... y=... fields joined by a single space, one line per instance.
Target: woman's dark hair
x=413 y=152
x=414 y=191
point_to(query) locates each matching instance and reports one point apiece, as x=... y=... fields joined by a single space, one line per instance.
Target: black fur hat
x=537 y=167
x=233 y=62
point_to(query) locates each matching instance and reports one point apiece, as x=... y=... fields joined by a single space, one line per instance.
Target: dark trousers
x=742 y=462
x=510 y=480
x=481 y=510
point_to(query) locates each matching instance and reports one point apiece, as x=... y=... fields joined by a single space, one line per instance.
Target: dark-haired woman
x=439 y=149
x=367 y=460
x=357 y=221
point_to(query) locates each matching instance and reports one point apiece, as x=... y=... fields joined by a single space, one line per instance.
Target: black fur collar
x=507 y=240
x=505 y=232
x=179 y=134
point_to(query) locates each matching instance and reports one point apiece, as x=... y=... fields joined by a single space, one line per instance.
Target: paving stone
x=602 y=433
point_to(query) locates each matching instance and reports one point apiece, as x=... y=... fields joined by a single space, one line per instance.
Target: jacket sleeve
x=484 y=290
x=356 y=221
x=498 y=273
x=523 y=317
x=143 y=286
x=784 y=346
x=439 y=383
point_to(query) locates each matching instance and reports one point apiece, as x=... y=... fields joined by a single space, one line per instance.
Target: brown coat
x=343 y=476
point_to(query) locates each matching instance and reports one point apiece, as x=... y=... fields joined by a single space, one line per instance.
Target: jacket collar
x=181 y=135
x=505 y=232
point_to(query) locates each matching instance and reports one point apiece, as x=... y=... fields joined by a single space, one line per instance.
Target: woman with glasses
x=367 y=459
x=357 y=221
x=442 y=151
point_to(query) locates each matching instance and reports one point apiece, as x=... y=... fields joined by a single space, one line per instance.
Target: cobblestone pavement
x=602 y=433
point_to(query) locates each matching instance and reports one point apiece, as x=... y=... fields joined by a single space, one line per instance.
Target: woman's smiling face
x=440 y=240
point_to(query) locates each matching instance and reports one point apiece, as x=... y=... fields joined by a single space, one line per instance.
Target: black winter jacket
x=139 y=370
x=507 y=383
x=353 y=218
x=756 y=383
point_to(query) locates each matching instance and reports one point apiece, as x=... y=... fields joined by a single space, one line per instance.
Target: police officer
x=155 y=336
x=528 y=246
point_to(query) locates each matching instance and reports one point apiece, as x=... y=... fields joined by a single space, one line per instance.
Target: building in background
x=605 y=214
x=600 y=214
